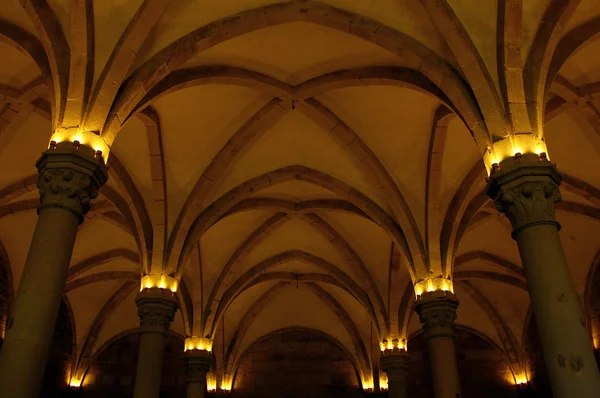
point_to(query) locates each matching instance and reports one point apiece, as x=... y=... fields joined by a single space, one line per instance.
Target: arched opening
x=484 y=372
x=113 y=368
x=296 y=363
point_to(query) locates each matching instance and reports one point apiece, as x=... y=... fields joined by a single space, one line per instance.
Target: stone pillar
x=156 y=309
x=437 y=312
x=69 y=177
x=197 y=364
x=395 y=364
x=525 y=189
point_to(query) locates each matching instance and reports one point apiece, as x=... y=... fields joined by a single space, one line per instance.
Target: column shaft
x=27 y=343
x=568 y=353
x=394 y=363
x=196 y=390
x=437 y=312
x=444 y=369
x=156 y=309
x=69 y=177
x=149 y=368
x=525 y=188
x=197 y=364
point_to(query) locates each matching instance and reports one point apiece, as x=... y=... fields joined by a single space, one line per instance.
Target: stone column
x=525 y=189
x=69 y=177
x=437 y=312
x=156 y=309
x=197 y=364
x=395 y=364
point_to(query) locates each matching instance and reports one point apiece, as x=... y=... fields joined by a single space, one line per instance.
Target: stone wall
x=112 y=373
x=483 y=370
x=295 y=363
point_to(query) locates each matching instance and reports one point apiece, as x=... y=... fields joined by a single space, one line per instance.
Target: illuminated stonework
x=514 y=145
x=433 y=284
x=227 y=383
x=161 y=281
x=198 y=343
x=393 y=344
x=211 y=382
x=80 y=137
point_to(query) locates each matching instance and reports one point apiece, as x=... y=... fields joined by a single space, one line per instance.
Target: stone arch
x=113 y=367
x=178 y=254
x=305 y=333
x=493 y=366
x=226 y=276
x=244 y=281
x=177 y=53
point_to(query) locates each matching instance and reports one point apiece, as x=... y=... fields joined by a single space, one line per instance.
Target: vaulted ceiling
x=293 y=162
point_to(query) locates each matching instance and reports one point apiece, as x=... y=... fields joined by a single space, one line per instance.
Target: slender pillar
x=69 y=177
x=525 y=189
x=395 y=364
x=156 y=309
x=437 y=312
x=197 y=364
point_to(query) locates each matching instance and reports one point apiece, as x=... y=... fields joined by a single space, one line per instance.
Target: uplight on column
x=211 y=382
x=393 y=344
x=514 y=145
x=160 y=281
x=198 y=343
x=80 y=137
x=433 y=284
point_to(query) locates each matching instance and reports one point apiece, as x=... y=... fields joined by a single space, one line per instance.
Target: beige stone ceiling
x=334 y=258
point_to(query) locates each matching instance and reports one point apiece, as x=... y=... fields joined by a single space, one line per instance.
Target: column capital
x=437 y=313
x=156 y=309
x=391 y=360
x=69 y=178
x=525 y=189
x=197 y=364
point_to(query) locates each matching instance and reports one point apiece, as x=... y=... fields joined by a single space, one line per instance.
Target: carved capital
x=525 y=189
x=437 y=313
x=394 y=364
x=197 y=365
x=156 y=309
x=69 y=178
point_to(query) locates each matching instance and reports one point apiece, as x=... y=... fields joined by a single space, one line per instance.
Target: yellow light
x=367 y=383
x=521 y=379
x=86 y=138
x=383 y=382
x=226 y=383
x=211 y=382
x=197 y=343
x=433 y=284
x=75 y=382
x=510 y=146
x=159 y=280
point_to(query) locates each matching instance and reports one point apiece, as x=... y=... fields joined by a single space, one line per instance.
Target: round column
x=156 y=309
x=437 y=313
x=69 y=177
x=197 y=364
x=525 y=189
x=395 y=364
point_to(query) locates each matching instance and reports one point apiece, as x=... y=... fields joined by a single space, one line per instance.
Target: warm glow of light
x=433 y=284
x=393 y=343
x=226 y=383
x=520 y=379
x=75 y=382
x=367 y=383
x=84 y=137
x=211 y=382
x=161 y=281
x=510 y=146
x=383 y=382
x=197 y=343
